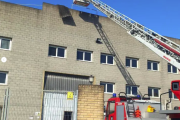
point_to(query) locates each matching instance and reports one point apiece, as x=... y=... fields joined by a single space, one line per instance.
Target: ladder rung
x=128 y=24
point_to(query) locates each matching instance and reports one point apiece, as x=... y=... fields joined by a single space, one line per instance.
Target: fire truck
x=124 y=106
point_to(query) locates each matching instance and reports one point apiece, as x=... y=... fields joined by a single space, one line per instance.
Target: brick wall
x=90 y=102
x=32 y=30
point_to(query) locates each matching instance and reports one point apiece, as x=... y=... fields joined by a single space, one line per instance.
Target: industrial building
x=55 y=49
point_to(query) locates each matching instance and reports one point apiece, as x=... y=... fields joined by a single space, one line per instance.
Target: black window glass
x=104 y=86
x=134 y=90
x=174 y=69
x=110 y=59
x=87 y=56
x=61 y=52
x=5 y=44
x=67 y=115
x=149 y=91
x=128 y=89
x=79 y=55
x=52 y=51
x=155 y=66
x=134 y=63
x=169 y=67
x=156 y=93
x=109 y=87
x=2 y=77
x=103 y=58
x=127 y=62
x=149 y=65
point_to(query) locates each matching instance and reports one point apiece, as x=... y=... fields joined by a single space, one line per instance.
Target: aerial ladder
x=119 y=111
x=162 y=46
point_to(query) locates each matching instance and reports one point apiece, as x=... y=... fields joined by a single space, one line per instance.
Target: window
x=84 y=55
x=108 y=87
x=153 y=92
x=131 y=90
x=107 y=59
x=151 y=65
x=172 y=69
x=56 y=51
x=3 y=78
x=112 y=106
x=172 y=94
x=132 y=62
x=5 y=43
x=67 y=115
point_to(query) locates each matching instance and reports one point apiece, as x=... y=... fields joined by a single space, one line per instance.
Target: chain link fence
x=31 y=104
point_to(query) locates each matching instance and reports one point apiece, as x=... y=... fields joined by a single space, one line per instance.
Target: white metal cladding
x=56 y=103
x=56 y=81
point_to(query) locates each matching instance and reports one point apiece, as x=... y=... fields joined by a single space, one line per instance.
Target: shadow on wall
x=95 y=20
x=87 y=17
x=66 y=16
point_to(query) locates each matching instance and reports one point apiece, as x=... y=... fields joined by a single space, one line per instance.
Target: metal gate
x=56 y=106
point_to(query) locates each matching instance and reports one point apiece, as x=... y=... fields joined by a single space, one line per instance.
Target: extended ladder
x=165 y=48
x=130 y=108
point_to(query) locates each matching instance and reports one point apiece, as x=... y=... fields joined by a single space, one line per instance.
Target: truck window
x=112 y=106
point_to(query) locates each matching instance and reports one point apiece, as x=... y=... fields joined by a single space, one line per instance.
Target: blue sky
x=162 y=16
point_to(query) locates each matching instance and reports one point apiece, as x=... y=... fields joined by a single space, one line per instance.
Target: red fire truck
x=123 y=107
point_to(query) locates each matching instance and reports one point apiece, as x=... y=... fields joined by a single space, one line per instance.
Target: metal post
x=75 y=104
x=168 y=103
x=160 y=99
x=8 y=97
x=5 y=108
x=2 y=117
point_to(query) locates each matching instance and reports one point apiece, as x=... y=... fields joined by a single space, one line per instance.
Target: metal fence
x=56 y=106
x=4 y=101
x=31 y=104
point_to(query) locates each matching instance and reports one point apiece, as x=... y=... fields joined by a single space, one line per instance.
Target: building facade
x=41 y=46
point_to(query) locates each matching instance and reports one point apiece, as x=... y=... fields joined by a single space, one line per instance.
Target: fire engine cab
x=123 y=107
x=174 y=114
x=134 y=108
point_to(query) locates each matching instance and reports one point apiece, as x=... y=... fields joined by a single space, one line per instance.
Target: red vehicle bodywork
x=117 y=101
x=176 y=92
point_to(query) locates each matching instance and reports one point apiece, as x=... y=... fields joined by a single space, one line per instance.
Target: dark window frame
x=152 y=91
x=171 y=67
x=6 y=79
x=8 y=39
x=54 y=46
x=84 y=55
x=131 y=62
x=107 y=55
x=106 y=83
x=152 y=65
x=65 y=117
x=131 y=92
